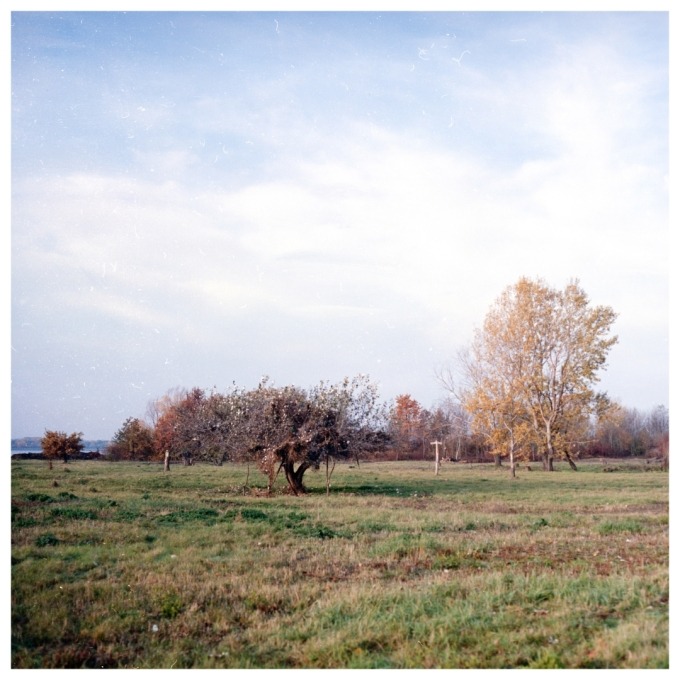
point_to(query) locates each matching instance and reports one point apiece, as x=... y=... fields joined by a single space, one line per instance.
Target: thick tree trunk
x=497 y=461
x=294 y=476
x=298 y=474
x=166 y=462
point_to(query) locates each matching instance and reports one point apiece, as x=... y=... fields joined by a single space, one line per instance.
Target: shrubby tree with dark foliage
x=134 y=441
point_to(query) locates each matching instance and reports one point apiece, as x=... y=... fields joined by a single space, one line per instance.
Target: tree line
x=524 y=389
x=620 y=432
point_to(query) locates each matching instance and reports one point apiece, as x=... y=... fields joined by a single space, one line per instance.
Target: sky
x=206 y=198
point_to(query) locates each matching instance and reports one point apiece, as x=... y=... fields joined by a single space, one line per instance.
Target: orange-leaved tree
x=406 y=424
x=56 y=444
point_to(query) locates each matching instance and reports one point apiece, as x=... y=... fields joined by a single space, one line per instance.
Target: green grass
x=120 y=565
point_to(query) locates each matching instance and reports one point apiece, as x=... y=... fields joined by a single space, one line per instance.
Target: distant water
x=88 y=447
x=37 y=449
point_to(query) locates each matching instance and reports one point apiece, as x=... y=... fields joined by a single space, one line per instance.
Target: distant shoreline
x=38 y=455
x=31 y=445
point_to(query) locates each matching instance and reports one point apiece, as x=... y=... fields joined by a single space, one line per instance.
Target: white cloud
x=275 y=220
x=380 y=216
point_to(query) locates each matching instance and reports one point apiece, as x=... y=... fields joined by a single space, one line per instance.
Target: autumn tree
x=405 y=424
x=164 y=416
x=177 y=430
x=159 y=406
x=610 y=435
x=534 y=364
x=493 y=398
x=133 y=441
x=60 y=445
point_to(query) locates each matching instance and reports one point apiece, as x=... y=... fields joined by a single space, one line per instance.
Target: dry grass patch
x=395 y=569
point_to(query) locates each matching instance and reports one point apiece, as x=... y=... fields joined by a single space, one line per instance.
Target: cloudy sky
x=203 y=198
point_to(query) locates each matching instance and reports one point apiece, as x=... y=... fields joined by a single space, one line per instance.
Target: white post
x=436 y=445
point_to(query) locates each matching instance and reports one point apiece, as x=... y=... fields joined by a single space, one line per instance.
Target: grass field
x=120 y=565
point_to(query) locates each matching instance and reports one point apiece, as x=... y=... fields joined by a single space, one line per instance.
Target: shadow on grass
x=419 y=487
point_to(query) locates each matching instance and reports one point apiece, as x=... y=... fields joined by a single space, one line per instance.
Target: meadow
x=120 y=565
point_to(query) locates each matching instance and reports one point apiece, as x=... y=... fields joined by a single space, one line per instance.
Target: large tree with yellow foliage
x=532 y=368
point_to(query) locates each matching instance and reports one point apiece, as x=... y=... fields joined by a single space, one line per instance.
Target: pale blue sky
x=201 y=198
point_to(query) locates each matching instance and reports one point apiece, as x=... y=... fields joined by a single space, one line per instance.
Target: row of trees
x=630 y=432
x=287 y=429
x=618 y=432
x=525 y=388
x=409 y=433
x=413 y=429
